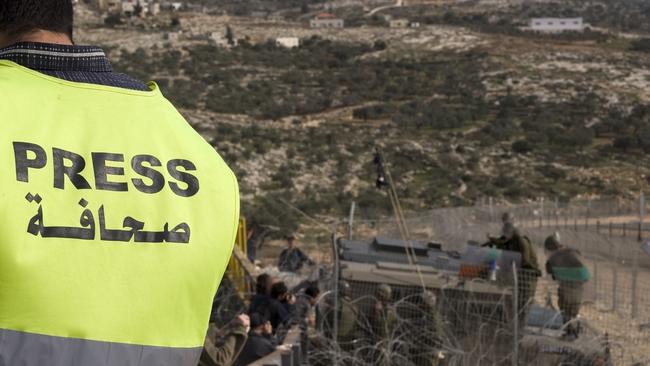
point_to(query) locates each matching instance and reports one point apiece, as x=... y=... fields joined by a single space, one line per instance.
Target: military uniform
x=292 y=260
x=567 y=268
x=527 y=275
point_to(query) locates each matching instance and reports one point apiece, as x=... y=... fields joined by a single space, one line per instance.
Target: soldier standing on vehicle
x=513 y=241
x=566 y=267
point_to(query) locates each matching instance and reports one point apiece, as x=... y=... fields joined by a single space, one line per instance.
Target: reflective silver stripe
x=27 y=349
x=52 y=53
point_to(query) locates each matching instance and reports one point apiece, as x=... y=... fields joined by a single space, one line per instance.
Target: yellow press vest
x=117 y=221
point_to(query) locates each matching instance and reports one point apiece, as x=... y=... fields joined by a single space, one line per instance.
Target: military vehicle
x=475 y=309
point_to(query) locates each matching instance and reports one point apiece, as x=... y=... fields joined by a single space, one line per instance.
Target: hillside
x=465 y=106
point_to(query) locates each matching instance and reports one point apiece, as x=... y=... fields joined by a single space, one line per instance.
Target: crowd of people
x=272 y=311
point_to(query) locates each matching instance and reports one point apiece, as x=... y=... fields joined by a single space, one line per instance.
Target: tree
x=624 y=143
x=304 y=9
x=138 y=9
x=230 y=36
x=113 y=20
x=521 y=147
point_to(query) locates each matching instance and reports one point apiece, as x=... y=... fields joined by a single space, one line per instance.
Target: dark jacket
x=565 y=265
x=278 y=314
x=261 y=304
x=257 y=346
x=292 y=260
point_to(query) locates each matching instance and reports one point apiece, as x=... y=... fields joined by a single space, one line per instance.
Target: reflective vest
x=117 y=221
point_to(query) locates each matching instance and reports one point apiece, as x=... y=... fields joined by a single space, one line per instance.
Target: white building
x=557 y=25
x=218 y=39
x=326 y=20
x=399 y=23
x=287 y=42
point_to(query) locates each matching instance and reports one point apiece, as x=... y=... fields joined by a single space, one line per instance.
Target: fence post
x=575 y=224
x=624 y=229
x=595 y=281
x=614 y=288
x=611 y=227
x=635 y=277
x=351 y=220
x=597 y=226
x=515 y=307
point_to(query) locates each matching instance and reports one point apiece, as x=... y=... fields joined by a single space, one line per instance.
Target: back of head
x=262 y=283
x=312 y=291
x=257 y=320
x=278 y=290
x=21 y=17
x=551 y=243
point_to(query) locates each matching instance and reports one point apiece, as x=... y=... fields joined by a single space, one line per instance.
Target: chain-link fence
x=614 y=305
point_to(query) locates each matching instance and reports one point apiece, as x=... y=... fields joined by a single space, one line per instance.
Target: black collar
x=54 y=57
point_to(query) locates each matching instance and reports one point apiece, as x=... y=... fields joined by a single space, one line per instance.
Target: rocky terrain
x=465 y=106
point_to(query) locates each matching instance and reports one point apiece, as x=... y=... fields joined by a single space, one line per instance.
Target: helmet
x=384 y=292
x=551 y=243
x=344 y=288
x=429 y=299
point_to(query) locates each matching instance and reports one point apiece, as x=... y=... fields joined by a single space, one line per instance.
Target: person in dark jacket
x=261 y=301
x=260 y=341
x=292 y=259
x=566 y=267
x=281 y=305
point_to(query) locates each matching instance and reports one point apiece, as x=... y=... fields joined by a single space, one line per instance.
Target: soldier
x=566 y=267
x=292 y=259
x=348 y=316
x=507 y=219
x=529 y=272
x=428 y=332
x=384 y=316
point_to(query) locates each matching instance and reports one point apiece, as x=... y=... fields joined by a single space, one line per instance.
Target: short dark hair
x=312 y=291
x=278 y=290
x=261 y=283
x=19 y=17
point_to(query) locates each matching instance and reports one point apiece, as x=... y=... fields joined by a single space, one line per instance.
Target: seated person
x=281 y=305
x=261 y=301
x=222 y=350
x=260 y=341
x=292 y=259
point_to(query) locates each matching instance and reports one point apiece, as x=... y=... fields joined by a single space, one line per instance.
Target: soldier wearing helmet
x=384 y=316
x=566 y=267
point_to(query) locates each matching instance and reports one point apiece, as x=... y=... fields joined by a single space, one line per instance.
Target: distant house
x=557 y=25
x=415 y=25
x=218 y=39
x=399 y=23
x=154 y=8
x=259 y=14
x=326 y=20
x=287 y=42
x=173 y=36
